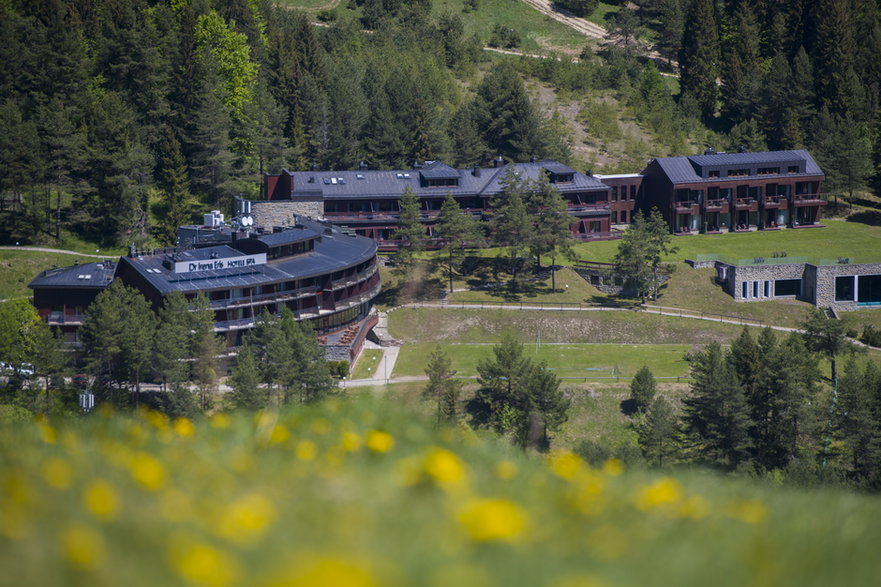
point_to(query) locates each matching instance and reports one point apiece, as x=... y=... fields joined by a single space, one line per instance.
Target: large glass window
x=787 y=287
x=844 y=288
x=869 y=289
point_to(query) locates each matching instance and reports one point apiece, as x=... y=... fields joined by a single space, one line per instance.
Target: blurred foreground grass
x=356 y=492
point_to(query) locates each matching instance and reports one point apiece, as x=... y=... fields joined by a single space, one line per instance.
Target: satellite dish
x=247 y=221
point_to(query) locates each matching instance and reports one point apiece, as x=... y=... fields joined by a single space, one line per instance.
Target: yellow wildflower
x=279 y=434
x=379 y=441
x=147 y=471
x=220 y=421
x=321 y=426
x=613 y=467
x=83 y=547
x=491 y=520
x=202 y=564
x=47 y=432
x=101 y=499
x=306 y=450
x=247 y=518
x=750 y=511
x=694 y=507
x=184 y=427
x=350 y=442
x=313 y=572
x=661 y=493
x=443 y=467
x=157 y=420
x=57 y=473
x=565 y=464
x=505 y=470
x=586 y=494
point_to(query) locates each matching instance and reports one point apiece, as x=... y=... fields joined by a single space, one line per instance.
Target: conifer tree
x=443 y=386
x=247 y=393
x=642 y=389
x=699 y=57
x=410 y=230
x=657 y=431
x=457 y=229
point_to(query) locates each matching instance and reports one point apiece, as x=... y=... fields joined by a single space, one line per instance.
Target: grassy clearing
x=837 y=239
x=364 y=492
x=18 y=268
x=365 y=366
x=606 y=326
x=583 y=361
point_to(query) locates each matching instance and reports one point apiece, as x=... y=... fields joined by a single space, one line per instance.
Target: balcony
x=278 y=296
x=807 y=200
x=749 y=204
x=684 y=206
x=591 y=209
x=771 y=202
x=58 y=318
x=716 y=205
x=353 y=279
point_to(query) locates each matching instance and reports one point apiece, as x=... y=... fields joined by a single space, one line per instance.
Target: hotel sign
x=240 y=262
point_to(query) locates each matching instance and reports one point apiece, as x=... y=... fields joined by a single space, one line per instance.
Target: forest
x=121 y=120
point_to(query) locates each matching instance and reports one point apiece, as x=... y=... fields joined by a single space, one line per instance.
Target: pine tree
x=457 y=229
x=716 y=412
x=205 y=348
x=442 y=386
x=172 y=344
x=641 y=250
x=410 y=230
x=741 y=73
x=172 y=179
x=247 y=393
x=642 y=389
x=826 y=336
x=549 y=214
x=658 y=431
x=700 y=56
x=510 y=224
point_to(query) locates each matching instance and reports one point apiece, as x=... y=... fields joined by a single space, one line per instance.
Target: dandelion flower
x=493 y=520
x=204 y=565
x=749 y=511
x=83 y=547
x=306 y=450
x=379 y=441
x=184 y=427
x=57 y=473
x=102 y=500
x=565 y=464
x=443 y=467
x=147 y=471
x=661 y=493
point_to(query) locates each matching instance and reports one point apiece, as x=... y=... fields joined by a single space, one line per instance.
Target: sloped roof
x=685 y=169
x=86 y=276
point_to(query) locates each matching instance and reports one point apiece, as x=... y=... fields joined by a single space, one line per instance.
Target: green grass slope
x=360 y=493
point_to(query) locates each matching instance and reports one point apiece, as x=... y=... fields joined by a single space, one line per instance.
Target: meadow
x=362 y=492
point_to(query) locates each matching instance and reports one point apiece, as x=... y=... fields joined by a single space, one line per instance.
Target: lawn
x=364 y=492
x=365 y=366
x=839 y=238
x=573 y=361
x=18 y=268
x=606 y=326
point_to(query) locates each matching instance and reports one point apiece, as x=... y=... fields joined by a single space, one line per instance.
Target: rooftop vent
x=359 y=176
x=709 y=151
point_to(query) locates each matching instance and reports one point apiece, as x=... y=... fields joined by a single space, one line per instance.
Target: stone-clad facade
x=844 y=286
x=282 y=213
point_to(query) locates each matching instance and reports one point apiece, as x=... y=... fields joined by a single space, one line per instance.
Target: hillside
x=359 y=492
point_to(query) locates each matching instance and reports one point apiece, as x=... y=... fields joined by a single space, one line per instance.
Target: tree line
x=761 y=408
x=124 y=344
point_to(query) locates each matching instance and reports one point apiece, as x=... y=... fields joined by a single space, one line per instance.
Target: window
x=614 y=217
x=614 y=193
x=792 y=169
x=844 y=288
x=768 y=171
x=767 y=289
x=787 y=287
x=755 y=289
x=713 y=173
x=745 y=290
x=633 y=192
x=737 y=172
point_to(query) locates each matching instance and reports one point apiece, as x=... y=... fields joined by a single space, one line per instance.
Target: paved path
x=62 y=251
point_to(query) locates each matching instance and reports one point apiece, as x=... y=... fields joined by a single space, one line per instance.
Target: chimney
x=709 y=151
x=499 y=161
x=476 y=171
x=362 y=166
x=741 y=149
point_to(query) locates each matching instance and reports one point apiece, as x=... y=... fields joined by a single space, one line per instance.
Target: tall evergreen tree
x=457 y=229
x=173 y=180
x=642 y=389
x=700 y=57
x=410 y=231
x=716 y=412
x=247 y=393
x=551 y=234
x=510 y=224
x=443 y=386
x=657 y=431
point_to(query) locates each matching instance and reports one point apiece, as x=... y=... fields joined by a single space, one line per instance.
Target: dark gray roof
x=376 y=184
x=687 y=169
x=558 y=168
x=438 y=170
x=332 y=252
x=286 y=237
x=87 y=276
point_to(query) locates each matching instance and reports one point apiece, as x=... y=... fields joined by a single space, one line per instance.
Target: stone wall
x=762 y=273
x=281 y=213
x=825 y=279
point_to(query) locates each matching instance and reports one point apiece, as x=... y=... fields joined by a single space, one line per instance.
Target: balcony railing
x=683 y=204
x=353 y=279
x=744 y=202
x=775 y=200
x=279 y=296
x=715 y=203
x=57 y=318
x=809 y=198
